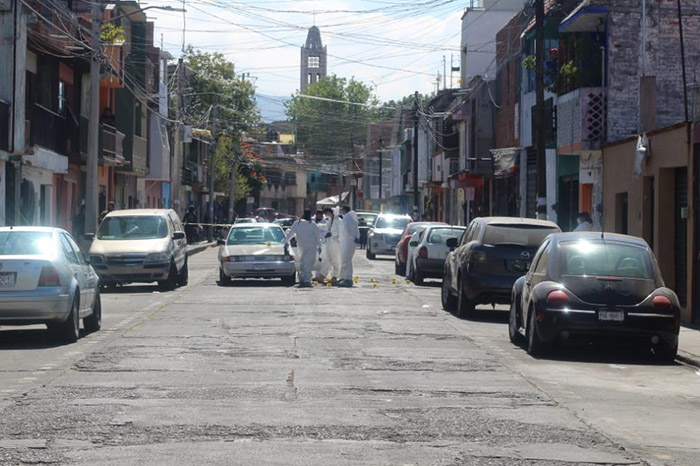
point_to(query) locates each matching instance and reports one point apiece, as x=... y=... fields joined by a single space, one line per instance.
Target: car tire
x=449 y=302
x=69 y=331
x=370 y=256
x=93 y=322
x=171 y=282
x=223 y=278
x=465 y=306
x=184 y=275
x=666 y=354
x=289 y=280
x=535 y=346
x=513 y=328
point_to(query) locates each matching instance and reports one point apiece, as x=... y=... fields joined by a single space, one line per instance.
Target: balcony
x=60 y=34
x=581 y=120
x=48 y=129
x=140 y=155
x=111 y=143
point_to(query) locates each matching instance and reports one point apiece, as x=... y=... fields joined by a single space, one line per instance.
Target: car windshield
x=440 y=235
x=256 y=235
x=519 y=234
x=605 y=259
x=133 y=227
x=30 y=243
x=369 y=218
x=392 y=222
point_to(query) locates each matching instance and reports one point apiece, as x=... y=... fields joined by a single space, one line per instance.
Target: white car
x=429 y=252
x=385 y=234
x=45 y=279
x=256 y=250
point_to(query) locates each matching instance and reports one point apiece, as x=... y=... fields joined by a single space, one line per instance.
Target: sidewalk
x=194 y=248
x=689 y=345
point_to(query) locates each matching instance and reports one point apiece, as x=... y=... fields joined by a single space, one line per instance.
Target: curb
x=687 y=358
x=199 y=248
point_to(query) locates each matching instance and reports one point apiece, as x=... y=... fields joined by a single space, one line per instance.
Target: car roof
x=517 y=220
x=597 y=236
x=138 y=212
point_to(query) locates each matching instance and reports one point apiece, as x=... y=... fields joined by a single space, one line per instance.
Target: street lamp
x=91 y=188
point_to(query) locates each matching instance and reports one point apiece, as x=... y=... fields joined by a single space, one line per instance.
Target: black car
x=492 y=253
x=595 y=285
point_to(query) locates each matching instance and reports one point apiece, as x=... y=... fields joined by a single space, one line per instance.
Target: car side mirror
x=451 y=243
x=89 y=236
x=413 y=244
x=179 y=235
x=221 y=242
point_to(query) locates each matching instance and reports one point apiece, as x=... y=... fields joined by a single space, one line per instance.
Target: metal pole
x=91 y=188
x=177 y=152
x=381 y=156
x=644 y=37
x=540 y=120
x=416 y=199
x=232 y=188
x=685 y=84
x=212 y=171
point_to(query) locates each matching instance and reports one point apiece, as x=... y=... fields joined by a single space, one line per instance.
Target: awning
x=505 y=161
x=585 y=18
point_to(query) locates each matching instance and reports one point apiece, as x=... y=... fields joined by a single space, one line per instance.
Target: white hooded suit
x=308 y=240
x=349 y=232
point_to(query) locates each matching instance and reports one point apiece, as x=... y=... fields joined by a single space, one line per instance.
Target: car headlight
x=157 y=257
x=97 y=259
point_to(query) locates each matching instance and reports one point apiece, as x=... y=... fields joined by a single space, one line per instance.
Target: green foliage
x=327 y=128
x=111 y=34
x=223 y=162
x=388 y=109
x=530 y=62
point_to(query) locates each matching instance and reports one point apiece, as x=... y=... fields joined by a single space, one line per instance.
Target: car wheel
x=184 y=275
x=171 y=281
x=465 y=306
x=534 y=344
x=69 y=331
x=93 y=322
x=223 y=278
x=513 y=327
x=370 y=256
x=666 y=354
x=289 y=280
x=448 y=300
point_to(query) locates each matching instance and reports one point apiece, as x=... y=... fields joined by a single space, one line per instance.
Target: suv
x=385 y=234
x=140 y=245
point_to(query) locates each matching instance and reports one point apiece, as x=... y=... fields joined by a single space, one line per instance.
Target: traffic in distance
x=560 y=287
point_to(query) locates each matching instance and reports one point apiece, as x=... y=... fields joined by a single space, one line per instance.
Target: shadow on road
x=29 y=339
x=255 y=283
x=596 y=352
x=125 y=289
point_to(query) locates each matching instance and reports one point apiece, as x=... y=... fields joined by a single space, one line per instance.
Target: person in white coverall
x=319 y=267
x=308 y=240
x=349 y=238
x=330 y=265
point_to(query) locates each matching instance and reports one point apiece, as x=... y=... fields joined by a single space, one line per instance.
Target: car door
x=458 y=255
x=179 y=245
x=73 y=263
x=91 y=278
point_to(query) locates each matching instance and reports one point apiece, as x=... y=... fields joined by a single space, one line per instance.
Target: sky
x=394 y=46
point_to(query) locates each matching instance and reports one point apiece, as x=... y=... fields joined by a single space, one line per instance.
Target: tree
x=327 y=126
x=222 y=170
x=388 y=109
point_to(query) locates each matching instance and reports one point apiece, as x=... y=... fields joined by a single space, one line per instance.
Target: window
x=68 y=250
x=77 y=250
x=541 y=267
x=314 y=62
x=133 y=227
x=290 y=178
x=309 y=79
x=30 y=243
x=61 y=97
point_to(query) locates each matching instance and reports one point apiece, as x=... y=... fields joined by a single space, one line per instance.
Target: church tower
x=313 y=59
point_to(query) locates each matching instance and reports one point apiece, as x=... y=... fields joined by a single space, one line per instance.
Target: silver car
x=385 y=234
x=45 y=279
x=141 y=245
x=256 y=250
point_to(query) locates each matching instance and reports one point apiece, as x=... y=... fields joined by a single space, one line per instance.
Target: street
x=256 y=373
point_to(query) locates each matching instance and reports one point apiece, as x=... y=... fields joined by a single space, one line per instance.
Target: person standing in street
x=349 y=238
x=308 y=240
x=330 y=265
x=110 y=207
x=322 y=224
x=585 y=223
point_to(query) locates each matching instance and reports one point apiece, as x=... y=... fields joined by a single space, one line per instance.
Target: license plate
x=261 y=267
x=7 y=280
x=616 y=316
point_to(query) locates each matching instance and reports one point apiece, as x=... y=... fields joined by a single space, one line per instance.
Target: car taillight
x=661 y=303
x=423 y=252
x=557 y=298
x=49 y=276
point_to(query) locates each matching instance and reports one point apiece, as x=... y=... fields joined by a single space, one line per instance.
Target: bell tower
x=313 y=59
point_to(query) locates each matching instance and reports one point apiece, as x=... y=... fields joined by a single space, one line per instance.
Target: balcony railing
x=581 y=119
x=48 y=129
x=4 y=126
x=111 y=142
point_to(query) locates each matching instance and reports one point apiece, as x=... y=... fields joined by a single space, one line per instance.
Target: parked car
x=492 y=253
x=385 y=234
x=141 y=245
x=285 y=222
x=246 y=220
x=400 y=258
x=45 y=279
x=256 y=251
x=430 y=251
x=267 y=214
x=590 y=284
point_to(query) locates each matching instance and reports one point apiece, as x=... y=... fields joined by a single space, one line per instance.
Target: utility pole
x=381 y=156
x=444 y=72
x=212 y=160
x=416 y=209
x=177 y=150
x=540 y=114
x=91 y=189
x=232 y=187
x=685 y=83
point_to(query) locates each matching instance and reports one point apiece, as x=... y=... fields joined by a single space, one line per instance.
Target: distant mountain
x=271 y=107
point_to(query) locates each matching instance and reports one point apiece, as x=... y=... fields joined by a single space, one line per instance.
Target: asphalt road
x=256 y=373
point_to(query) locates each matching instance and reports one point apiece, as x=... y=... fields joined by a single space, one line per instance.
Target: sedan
x=594 y=285
x=385 y=234
x=429 y=252
x=401 y=256
x=492 y=253
x=256 y=250
x=45 y=279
